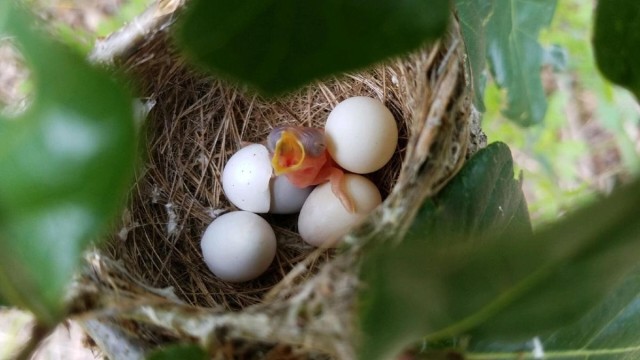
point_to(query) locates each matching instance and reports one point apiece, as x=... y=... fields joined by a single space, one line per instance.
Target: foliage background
x=587 y=144
x=589 y=140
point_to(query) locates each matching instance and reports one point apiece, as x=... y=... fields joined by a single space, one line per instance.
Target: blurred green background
x=588 y=143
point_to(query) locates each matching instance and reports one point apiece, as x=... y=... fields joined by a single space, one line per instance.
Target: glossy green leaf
x=515 y=57
x=502 y=288
x=616 y=42
x=473 y=16
x=484 y=197
x=276 y=46
x=65 y=165
x=181 y=351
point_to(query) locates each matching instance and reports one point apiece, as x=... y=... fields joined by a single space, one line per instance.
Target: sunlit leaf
x=616 y=42
x=276 y=46
x=64 y=167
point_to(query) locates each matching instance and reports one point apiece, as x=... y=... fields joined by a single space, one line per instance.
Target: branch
x=127 y=40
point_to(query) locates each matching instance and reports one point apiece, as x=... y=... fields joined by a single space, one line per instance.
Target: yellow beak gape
x=288 y=155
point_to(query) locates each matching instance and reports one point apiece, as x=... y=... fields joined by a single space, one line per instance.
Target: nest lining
x=197 y=123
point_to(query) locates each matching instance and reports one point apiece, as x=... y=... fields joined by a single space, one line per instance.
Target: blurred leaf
x=501 y=288
x=4 y=14
x=557 y=57
x=79 y=40
x=484 y=197
x=277 y=46
x=474 y=15
x=515 y=57
x=506 y=33
x=610 y=330
x=607 y=332
x=181 y=351
x=616 y=42
x=64 y=168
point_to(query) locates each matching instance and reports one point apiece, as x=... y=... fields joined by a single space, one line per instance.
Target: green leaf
x=506 y=33
x=181 y=351
x=65 y=165
x=616 y=42
x=607 y=332
x=473 y=16
x=515 y=57
x=484 y=197
x=277 y=46
x=501 y=288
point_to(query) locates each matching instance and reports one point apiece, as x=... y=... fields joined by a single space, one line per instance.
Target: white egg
x=246 y=178
x=248 y=184
x=323 y=219
x=238 y=246
x=287 y=198
x=361 y=134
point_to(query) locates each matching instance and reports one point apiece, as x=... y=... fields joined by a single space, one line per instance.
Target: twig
x=120 y=44
x=113 y=341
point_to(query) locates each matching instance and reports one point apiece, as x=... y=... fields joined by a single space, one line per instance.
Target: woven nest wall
x=306 y=300
x=197 y=123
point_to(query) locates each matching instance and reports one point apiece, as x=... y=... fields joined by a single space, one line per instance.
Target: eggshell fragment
x=287 y=198
x=361 y=134
x=246 y=177
x=323 y=219
x=238 y=246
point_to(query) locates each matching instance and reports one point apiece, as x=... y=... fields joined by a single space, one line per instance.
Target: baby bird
x=300 y=154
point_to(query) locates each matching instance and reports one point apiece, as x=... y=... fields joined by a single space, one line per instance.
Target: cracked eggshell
x=246 y=178
x=361 y=134
x=238 y=246
x=287 y=198
x=323 y=219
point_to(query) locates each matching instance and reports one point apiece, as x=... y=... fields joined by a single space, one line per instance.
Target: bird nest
x=151 y=276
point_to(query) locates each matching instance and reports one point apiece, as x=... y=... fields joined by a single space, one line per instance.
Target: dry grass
x=196 y=125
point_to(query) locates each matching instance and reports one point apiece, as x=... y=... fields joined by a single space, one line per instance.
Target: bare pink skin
x=317 y=166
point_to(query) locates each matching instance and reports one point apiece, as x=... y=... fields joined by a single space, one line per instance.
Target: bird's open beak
x=288 y=155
